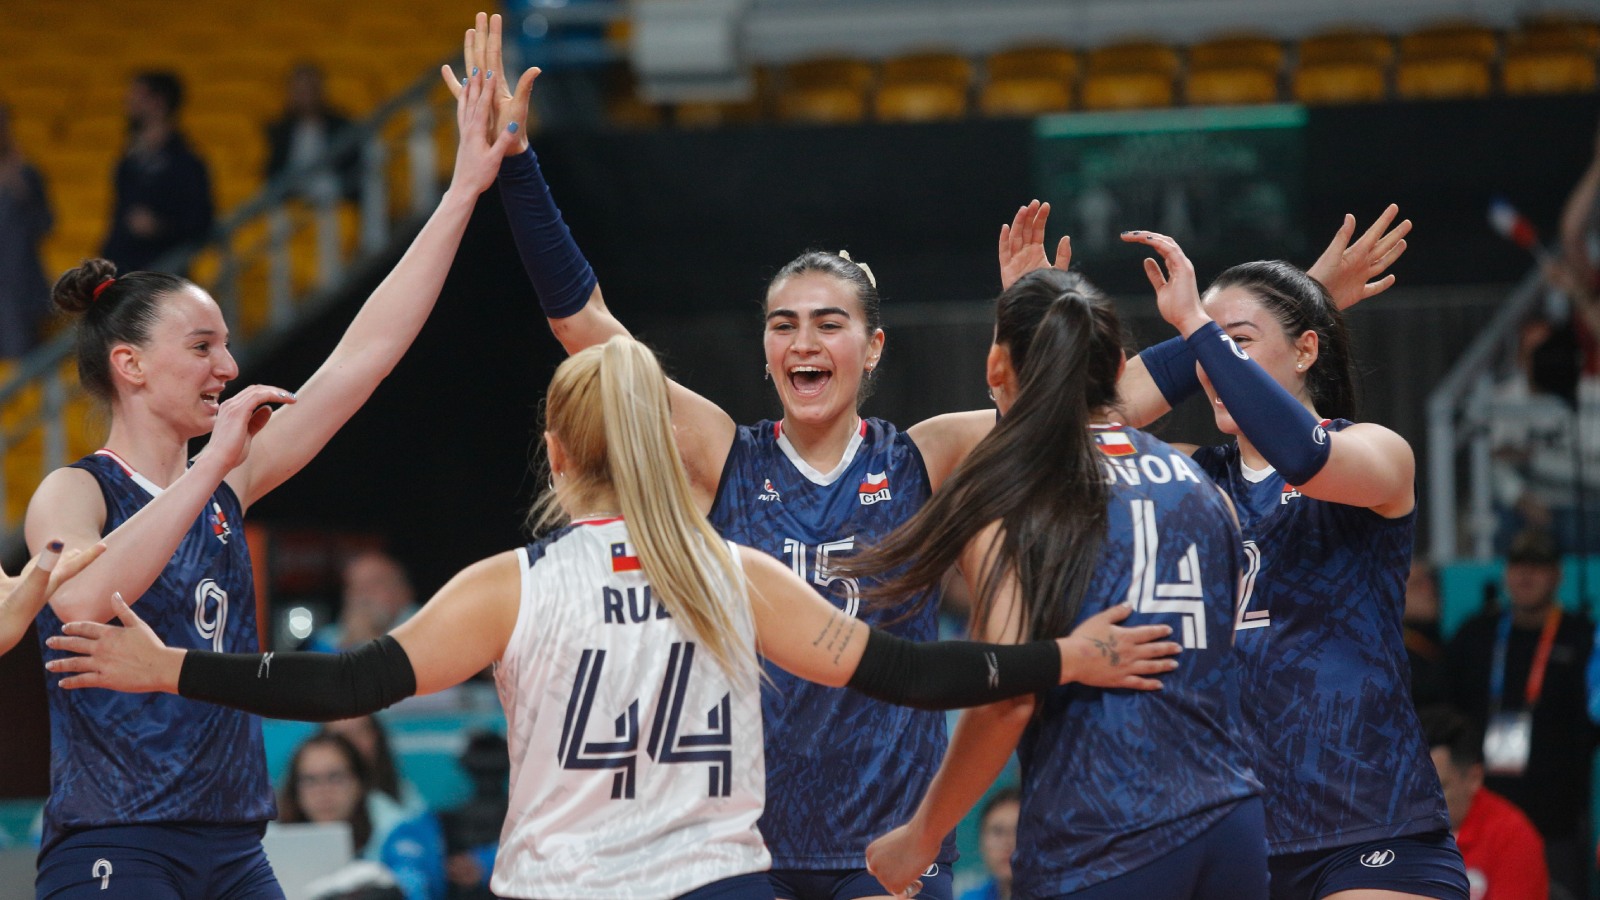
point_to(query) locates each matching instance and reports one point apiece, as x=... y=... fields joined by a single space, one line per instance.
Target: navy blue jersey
x=125 y=759
x=1113 y=780
x=1327 y=700
x=842 y=768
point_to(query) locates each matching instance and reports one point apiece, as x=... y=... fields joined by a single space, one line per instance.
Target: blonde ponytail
x=631 y=446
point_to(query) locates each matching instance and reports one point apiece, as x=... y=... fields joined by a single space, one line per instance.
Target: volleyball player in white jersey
x=625 y=647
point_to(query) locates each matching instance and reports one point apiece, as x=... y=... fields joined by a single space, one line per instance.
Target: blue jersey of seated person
x=122 y=759
x=1335 y=738
x=1114 y=780
x=841 y=768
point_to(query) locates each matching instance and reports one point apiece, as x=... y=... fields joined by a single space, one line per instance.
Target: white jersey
x=636 y=763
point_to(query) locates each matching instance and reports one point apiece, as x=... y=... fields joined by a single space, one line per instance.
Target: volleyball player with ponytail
x=1124 y=794
x=625 y=646
x=1328 y=511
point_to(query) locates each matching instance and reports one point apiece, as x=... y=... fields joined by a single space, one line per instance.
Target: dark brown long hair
x=289 y=808
x=1037 y=472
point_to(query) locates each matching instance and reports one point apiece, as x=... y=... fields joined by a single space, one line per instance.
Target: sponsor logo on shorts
x=1377 y=859
x=102 y=871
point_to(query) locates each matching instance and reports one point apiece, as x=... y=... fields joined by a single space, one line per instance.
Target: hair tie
x=99 y=288
x=872 y=280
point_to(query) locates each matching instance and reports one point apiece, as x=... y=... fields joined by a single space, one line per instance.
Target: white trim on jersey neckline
x=811 y=474
x=143 y=482
x=1252 y=474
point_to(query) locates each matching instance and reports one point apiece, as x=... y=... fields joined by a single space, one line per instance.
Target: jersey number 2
x=669 y=743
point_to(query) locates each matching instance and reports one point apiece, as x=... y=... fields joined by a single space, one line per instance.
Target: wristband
x=1285 y=432
x=953 y=674
x=562 y=278
x=1171 y=366
x=310 y=687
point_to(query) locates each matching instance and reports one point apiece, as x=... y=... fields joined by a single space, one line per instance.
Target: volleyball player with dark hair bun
x=160 y=797
x=625 y=649
x=1123 y=794
x=1328 y=510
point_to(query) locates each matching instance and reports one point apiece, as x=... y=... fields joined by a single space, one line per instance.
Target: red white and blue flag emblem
x=875 y=489
x=622 y=558
x=219 y=523
x=1114 y=443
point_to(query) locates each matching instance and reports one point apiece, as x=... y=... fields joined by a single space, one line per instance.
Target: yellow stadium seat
x=1126 y=90
x=1024 y=96
x=24 y=469
x=1451 y=40
x=855 y=74
x=822 y=105
x=1557 y=34
x=1237 y=51
x=716 y=115
x=1441 y=78
x=1230 y=85
x=1548 y=72
x=1134 y=56
x=104 y=131
x=1051 y=63
x=928 y=68
x=920 y=102
x=1345 y=46
x=1339 y=82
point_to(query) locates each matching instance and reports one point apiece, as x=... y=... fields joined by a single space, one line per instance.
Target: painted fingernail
x=54 y=546
x=512 y=128
x=489 y=75
x=463 y=82
x=474 y=70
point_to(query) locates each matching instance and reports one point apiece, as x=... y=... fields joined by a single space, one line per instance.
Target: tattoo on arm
x=836 y=634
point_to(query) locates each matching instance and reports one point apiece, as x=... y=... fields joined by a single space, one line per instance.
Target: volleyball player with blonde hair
x=625 y=646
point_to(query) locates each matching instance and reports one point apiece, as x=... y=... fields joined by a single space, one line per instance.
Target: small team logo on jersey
x=219 y=523
x=1114 y=443
x=1289 y=493
x=875 y=489
x=1320 y=432
x=768 y=492
x=1377 y=859
x=622 y=558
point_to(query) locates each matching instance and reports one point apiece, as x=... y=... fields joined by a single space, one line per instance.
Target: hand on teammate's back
x=1100 y=653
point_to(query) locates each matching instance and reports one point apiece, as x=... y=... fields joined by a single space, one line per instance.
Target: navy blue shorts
x=851 y=884
x=1228 y=861
x=754 y=886
x=1425 y=864
x=159 y=862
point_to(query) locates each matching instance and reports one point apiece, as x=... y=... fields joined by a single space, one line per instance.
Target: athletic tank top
x=1115 y=779
x=636 y=768
x=1327 y=704
x=121 y=759
x=842 y=768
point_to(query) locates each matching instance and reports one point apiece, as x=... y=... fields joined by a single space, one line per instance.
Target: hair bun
x=74 y=290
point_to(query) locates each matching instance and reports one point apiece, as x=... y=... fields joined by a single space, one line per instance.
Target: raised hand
x=1177 y=292
x=239 y=419
x=899 y=858
x=131 y=658
x=22 y=597
x=481 y=50
x=478 y=157
x=1351 y=272
x=1101 y=653
x=1022 y=244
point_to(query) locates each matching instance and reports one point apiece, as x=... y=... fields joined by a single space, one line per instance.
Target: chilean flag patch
x=622 y=558
x=1114 y=443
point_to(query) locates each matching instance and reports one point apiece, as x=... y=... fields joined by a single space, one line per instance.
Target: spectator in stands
x=1519 y=676
x=472 y=830
x=997 y=840
x=328 y=782
x=1424 y=644
x=377 y=597
x=392 y=798
x=163 y=190
x=1502 y=849
x=302 y=137
x=24 y=221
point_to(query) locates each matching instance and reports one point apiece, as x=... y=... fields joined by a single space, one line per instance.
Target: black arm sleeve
x=953 y=674
x=310 y=687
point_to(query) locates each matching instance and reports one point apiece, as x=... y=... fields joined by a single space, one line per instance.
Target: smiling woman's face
x=817 y=346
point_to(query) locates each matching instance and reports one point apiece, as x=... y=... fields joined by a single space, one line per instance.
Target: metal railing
x=1460 y=414
x=249 y=264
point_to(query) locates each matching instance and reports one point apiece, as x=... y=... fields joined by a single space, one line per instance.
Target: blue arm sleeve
x=1285 y=432
x=561 y=276
x=1171 y=366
